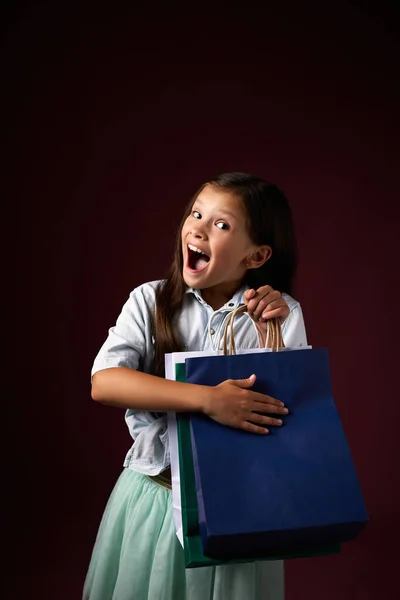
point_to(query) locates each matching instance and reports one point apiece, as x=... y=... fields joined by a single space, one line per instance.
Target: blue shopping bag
x=184 y=495
x=295 y=486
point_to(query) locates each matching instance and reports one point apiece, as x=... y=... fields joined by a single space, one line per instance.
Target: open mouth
x=197 y=260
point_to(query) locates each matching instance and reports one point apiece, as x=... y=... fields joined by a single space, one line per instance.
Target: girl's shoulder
x=149 y=287
x=146 y=292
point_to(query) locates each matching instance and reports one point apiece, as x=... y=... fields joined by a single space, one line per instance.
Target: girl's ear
x=258 y=258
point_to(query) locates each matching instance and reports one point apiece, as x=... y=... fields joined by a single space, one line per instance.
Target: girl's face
x=216 y=244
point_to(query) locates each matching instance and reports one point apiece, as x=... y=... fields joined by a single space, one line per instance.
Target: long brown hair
x=269 y=222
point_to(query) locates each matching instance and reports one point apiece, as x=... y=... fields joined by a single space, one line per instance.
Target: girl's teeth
x=195 y=249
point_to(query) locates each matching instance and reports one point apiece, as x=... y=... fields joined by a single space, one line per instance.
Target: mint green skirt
x=137 y=555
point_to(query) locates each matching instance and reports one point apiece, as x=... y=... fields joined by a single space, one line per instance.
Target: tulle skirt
x=137 y=555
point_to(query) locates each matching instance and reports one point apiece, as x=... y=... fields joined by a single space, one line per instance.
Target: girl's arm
x=230 y=403
x=126 y=388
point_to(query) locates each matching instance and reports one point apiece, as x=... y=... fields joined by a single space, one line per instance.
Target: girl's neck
x=218 y=296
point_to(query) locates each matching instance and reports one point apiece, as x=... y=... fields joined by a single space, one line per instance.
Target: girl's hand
x=265 y=303
x=232 y=403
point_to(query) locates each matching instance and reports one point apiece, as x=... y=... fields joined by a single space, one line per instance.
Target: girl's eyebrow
x=227 y=212
x=221 y=210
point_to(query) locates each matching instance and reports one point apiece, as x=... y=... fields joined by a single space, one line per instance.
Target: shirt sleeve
x=129 y=342
x=293 y=329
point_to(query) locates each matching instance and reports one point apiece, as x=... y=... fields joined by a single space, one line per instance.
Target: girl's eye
x=196 y=214
x=222 y=225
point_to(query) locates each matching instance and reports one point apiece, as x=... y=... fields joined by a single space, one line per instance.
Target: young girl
x=236 y=245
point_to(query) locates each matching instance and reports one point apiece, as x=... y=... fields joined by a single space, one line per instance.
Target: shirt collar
x=234 y=302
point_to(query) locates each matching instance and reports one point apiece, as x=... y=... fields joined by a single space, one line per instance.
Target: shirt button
x=231 y=304
x=212 y=331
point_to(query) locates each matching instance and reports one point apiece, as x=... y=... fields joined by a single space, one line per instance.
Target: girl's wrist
x=202 y=398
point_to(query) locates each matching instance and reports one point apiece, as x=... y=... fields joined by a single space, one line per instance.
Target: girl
x=236 y=236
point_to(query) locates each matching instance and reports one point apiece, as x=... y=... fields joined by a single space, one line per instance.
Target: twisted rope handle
x=274 y=332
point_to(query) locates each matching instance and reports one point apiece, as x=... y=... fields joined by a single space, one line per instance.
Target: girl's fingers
x=253 y=297
x=257 y=305
x=271 y=409
x=256 y=424
x=274 y=314
x=262 y=420
x=267 y=404
x=249 y=294
x=251 y=428
x=275 y=303
x=268 y=304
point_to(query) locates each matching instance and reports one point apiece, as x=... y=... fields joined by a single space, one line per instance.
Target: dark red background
x=115 y=117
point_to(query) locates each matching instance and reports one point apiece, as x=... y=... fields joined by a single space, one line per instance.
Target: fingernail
x=266 y=431
x=279 y=422
x=285 y=410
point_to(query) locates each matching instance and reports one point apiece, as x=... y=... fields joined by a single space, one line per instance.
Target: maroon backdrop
x=114 y=120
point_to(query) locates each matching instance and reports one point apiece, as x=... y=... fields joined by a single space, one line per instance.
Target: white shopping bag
x=171 y=360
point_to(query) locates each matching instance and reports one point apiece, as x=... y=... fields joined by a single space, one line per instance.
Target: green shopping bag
x=193 y=551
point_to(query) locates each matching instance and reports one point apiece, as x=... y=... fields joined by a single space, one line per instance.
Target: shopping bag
x=295 y=486
x=171 y=361
x=187 y=523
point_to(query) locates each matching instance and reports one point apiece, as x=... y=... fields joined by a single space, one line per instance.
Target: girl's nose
x=198 y=231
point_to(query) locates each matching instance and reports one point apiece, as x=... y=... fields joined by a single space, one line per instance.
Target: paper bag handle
x=274 y=332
